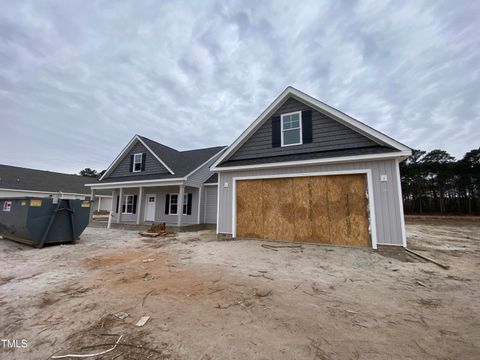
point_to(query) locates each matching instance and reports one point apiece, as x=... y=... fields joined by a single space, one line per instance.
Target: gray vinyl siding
x=203 y=174
x=388 y=209
x=328 y=134
x=160 y=215
x=211 y=204
x=152 y=165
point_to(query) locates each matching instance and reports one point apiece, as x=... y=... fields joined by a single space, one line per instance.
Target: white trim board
x=44 y=192
x=156 y=156
x=341 y=159
x=371 y=201
x=218 y=203
x=125 y=150
x=400 y=199
x=210 y=184
x=337 y=115
x=137 y=183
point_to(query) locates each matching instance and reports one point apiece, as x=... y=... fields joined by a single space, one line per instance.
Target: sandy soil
x=211 y=299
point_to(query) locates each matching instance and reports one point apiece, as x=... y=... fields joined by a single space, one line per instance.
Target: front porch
x=177 y=205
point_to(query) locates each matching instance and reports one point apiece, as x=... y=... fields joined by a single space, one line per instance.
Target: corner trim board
x=400 y=203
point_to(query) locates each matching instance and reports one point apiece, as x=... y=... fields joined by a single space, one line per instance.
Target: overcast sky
x=79 y=78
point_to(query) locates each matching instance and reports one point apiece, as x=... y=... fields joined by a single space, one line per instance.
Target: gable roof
x=18 y=178
x=178 y=163
x=375 y=135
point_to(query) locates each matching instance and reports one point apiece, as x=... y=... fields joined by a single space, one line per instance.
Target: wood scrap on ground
x=446 y=267
x=276 y=247
x=156 y=230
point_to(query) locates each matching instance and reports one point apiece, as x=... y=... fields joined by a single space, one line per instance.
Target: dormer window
x=291 y=124
x=137 y=162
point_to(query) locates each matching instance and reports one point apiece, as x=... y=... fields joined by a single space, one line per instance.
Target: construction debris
x=276 y=247
x=88 y=355
x=420 y=283
x=446 y=267
x=121 y=315
x=156 y=230
x=148 y=260
x=143 y=320
x=148 y=277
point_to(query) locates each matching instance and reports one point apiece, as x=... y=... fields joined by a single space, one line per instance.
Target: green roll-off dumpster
x=41 y=221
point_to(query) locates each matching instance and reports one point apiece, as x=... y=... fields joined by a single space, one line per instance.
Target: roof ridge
x=156 y=142
x=207 y=148
x=46 y=171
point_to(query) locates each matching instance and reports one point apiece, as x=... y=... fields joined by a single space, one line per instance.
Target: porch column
x=114 y=199
x=120 y=206
x=139 y=204
x=180 y=205
x=92 y=200
x=200 y=191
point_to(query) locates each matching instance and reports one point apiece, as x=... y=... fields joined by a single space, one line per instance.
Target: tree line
x=435 y=182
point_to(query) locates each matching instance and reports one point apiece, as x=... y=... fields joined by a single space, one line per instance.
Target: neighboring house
x=304 y=171
x=19 y=182
x=151 y=182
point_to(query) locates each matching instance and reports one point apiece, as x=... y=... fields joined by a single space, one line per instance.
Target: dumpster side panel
x=13 y=216
x=28 y=219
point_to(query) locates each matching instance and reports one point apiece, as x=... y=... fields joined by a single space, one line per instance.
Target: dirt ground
x=210 y=299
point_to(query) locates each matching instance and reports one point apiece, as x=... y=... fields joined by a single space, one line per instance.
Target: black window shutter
x=134 y=204
x=123 y=206
x=118 y=202
x=131 y=163
x=144 y=156
x=189 y=204
x=276 y=132
x=167 y=203
x=307 y=126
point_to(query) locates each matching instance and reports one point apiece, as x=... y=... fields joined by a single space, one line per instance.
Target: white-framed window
x=137 y=162
x=128 y=204
x=185 y=204
x=172 y=210
x=291 y=125
x=173 y=207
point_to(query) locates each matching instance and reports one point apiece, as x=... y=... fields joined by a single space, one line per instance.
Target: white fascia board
x=119 y=156
x=126 y=149
x=156 y=157
x=210 y=184
x=342 y=159
x=129 y=184
x=43 y=192
x=236 y=144
x=349 y=121
x=319 y=106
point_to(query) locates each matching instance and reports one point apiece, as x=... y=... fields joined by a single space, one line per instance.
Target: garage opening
x=321 y=209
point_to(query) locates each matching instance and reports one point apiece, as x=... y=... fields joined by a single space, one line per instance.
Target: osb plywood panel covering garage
x=321 y=209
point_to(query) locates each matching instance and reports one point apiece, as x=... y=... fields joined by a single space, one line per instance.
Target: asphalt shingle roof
x=181 y=162
x=212 y=179
x=18 y=178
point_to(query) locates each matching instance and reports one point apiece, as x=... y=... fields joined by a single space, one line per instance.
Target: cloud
x=78 y=79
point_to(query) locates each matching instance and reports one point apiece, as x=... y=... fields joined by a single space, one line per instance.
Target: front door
x=150 y=207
